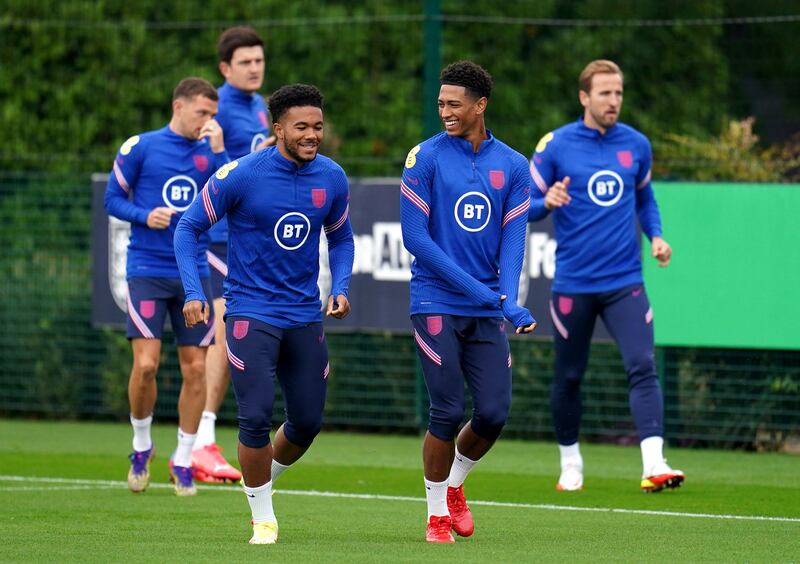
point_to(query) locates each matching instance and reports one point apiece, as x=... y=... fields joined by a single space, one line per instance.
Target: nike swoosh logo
x=218 y=467
x=251 y=495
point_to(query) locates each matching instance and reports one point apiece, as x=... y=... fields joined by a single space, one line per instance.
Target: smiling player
x=277 y=202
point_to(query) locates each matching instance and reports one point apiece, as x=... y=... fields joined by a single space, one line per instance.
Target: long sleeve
x=646 y=206
x=122 y=180
x=341 y=248
x=220 y=159
x=542 y=173
x=512 y=246
x=414 y=215
x=209 y=207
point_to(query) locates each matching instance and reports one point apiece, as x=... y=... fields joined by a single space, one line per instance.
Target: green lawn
x=64 y=499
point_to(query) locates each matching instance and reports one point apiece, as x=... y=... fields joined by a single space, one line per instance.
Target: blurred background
x=715 y=84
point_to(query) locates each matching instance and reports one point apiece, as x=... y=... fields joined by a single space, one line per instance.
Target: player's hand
x=213 y=131
x=519 y=316
x=661 y=251
x=194 y=312
x=159 y=218
x=557 y=195
x=526 y=329
x=340 y=309
x=268 y=142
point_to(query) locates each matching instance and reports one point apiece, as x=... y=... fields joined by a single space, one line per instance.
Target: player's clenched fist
x=557 y=195
x=159 y=218
x=194 y=312
x=340 y=309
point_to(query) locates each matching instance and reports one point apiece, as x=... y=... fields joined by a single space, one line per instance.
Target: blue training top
x=463 y=216
x=161 y=169
x=275 y=212
x=243 y=118
x=598 y=248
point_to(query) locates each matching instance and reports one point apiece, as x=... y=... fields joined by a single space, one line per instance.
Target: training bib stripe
x=416 y=200
x=139 y=322
x=123 y=182
x=646 y=180
x=235 y=361
x=217 y=263
x=537 y=178
x=338 y=224
x=209 y=336
x=429 y=352
x=212 y=215
x=521 y=209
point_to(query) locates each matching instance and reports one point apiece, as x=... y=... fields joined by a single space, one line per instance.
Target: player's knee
x=641 y=370
x=254 y=431
x=570 y=378
x=489 y=421
x=302 y=432
x=444 y=423
x=145 y=368
x=194 y=370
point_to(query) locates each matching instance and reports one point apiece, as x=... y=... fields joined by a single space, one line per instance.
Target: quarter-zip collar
x=282 y=163
x=466 y=146
x=591 y=133
x=235 y=94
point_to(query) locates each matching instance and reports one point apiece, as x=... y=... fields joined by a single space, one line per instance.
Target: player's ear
x=277 y=129
x=480 y=105
x=584 y=98
x=224 y=69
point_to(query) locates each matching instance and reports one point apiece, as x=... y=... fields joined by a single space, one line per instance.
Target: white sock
x=436 y=494
x=141 y=433
x=652 y=453
x=278 y=469
x=260 y=500
x=571 y=455
x=459 y=470
x=205 y=432
x=183 y=454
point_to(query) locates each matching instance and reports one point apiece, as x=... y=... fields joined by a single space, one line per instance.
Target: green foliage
x=732 y=156
x=78 y=78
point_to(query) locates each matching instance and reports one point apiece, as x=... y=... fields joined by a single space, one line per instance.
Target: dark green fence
x=55 y=364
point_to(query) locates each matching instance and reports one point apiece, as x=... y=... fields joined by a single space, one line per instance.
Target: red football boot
x=460 y=514
x=210 y=466
x=439 y=530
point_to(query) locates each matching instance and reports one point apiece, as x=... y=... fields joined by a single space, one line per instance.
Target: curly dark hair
x=473 y=77
x=291 y=96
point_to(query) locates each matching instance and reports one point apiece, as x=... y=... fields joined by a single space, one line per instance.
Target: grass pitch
x=359 y=498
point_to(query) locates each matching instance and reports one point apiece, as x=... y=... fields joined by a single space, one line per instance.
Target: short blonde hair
x=600 y=66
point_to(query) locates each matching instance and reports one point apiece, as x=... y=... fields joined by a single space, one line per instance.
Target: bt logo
x=291 y=230
x=179 y=192
x=472 y=211
x=605 y=188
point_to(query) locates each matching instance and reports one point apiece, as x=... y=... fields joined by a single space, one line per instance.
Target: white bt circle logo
x=291 y=230
x=179 y=192
x=473 y=211
x=605 y=188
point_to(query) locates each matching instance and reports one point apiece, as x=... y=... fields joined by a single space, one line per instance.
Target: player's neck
x=589 y=122
x=477 y=136
x=175 y=127
x=242 y=91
